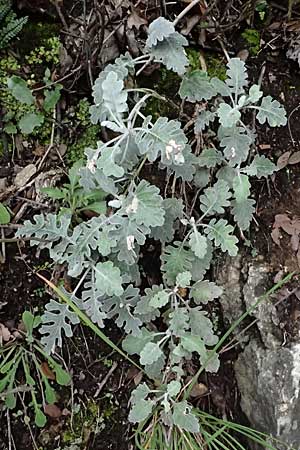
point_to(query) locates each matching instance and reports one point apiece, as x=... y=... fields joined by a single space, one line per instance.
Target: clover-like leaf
x=271 y=111
x=150 y=353
x=159 y=30
x=108 y=279
x=184 y=418
x=215 y=198
x=198 y=243
x=205 y=291
x=195 y=86
x=220 y=232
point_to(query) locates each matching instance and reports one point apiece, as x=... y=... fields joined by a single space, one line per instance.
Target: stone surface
x=268 y=373
x=268 y=380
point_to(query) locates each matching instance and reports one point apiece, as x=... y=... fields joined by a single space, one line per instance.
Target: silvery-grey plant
x=104 y=252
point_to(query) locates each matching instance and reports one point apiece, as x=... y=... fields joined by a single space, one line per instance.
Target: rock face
x=267 y=372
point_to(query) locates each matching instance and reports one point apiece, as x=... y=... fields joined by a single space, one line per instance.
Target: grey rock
x=268 y=374
x=268 y=380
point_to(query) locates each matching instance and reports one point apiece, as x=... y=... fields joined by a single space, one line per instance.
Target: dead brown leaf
x=135 y=20
x=47 y=371
x=276 y=236
x=295 y=242
x=294 y=158
x=198 y=390
x=5 y=334
x=52 y=411
x=283 y=160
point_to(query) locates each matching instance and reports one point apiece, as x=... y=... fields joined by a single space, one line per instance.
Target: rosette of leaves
x=24 y=355
x=104 y=251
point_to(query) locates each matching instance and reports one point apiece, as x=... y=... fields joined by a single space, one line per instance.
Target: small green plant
x=74 y=198
x=252 y=37
x=10 y=25
x=30 y=116
x=105 y=251
x=25 y=367
x=4 y=215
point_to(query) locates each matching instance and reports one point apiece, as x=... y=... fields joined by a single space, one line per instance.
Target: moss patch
x=216 y=66
x=252 y=39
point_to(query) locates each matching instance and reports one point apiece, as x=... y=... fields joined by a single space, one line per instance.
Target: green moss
x=215 y=65
x=36 y=34
x=193 y=57
x=88 y=419
x=46 y=54
x=252 y=38
x=88 y=133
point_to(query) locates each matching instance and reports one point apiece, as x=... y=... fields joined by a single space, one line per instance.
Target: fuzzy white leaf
x=150 y=353
x=260 y=167
x=108 y=279
x=175 y=259
x=215 y=198
x=171 y=53
x=209 y=157
x=205 y=291
x=56 y=319
x=144 y=205
x=203 y=120
x=159 y=30
x=196 y=86
x=153 y=140
x=220 y=232
x=198 y=244
x=271 y=111
x=243 y=212
x=236 y=143
x=184 y=419
x=228 y=115
x=237 y=76
x=184 y=279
